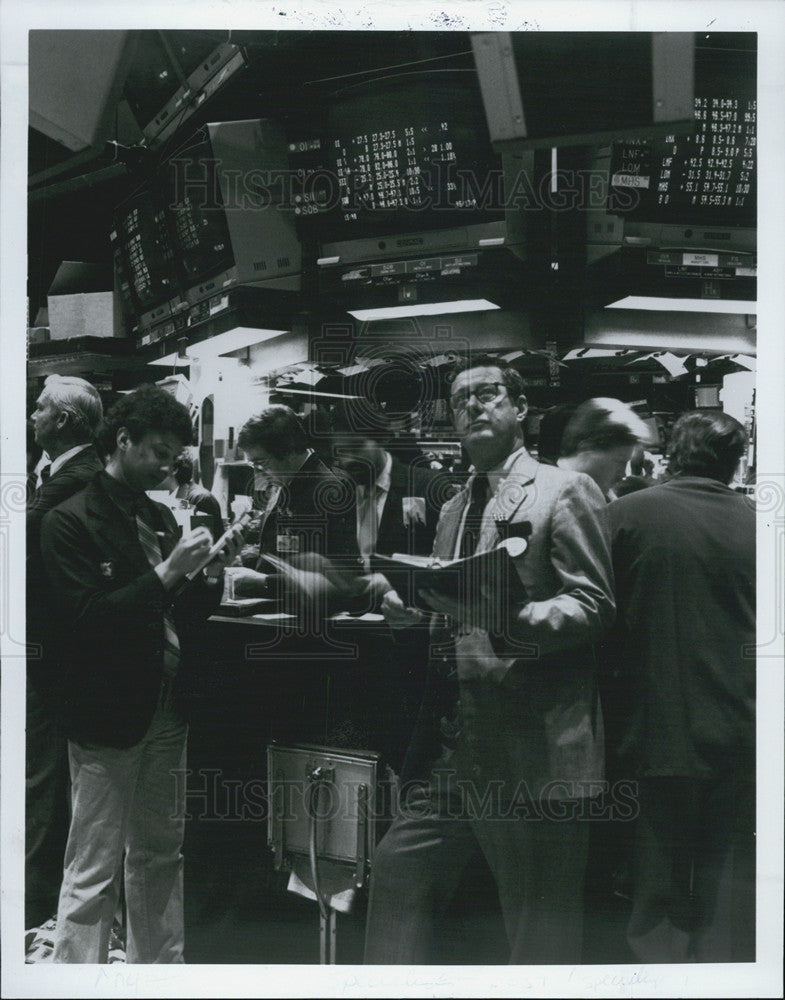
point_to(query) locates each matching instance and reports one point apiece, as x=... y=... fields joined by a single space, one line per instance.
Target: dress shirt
x=496 y=477
x=60 y=461
x=369 y=513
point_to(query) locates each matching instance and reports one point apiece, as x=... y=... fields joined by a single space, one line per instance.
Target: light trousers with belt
x=127 y=806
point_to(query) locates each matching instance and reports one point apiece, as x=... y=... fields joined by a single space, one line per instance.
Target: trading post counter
x=346 y=681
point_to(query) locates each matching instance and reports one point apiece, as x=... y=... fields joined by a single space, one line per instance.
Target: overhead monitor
x=694 y=190
x=547 y=88
x=145 y=254
x=223 y=192
x=398 y=166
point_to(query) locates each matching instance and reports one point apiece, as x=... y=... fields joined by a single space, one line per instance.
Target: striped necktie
x=152 y=549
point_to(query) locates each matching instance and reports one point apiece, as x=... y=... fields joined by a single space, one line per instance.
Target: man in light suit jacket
x=525 y=751
x=65 y=420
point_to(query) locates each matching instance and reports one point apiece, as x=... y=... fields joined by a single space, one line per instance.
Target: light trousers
x=128 y=809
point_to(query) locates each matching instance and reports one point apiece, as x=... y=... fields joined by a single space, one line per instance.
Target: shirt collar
x=60 y=461
x=383 y=480
x=502 y=470
x=125 y=498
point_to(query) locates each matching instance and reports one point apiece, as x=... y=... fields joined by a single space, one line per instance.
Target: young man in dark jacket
x=125 y=611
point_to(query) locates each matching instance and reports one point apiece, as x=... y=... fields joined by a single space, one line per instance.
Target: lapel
x=511 y=495
x=118 y=535
x=515 y=489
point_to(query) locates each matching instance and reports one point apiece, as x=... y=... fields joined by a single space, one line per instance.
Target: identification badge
x=413 y=510
x=288 y=544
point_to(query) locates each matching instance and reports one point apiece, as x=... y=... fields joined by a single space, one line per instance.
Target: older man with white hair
x=65 y=420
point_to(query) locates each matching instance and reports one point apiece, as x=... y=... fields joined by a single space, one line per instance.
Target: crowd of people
x=619 y=688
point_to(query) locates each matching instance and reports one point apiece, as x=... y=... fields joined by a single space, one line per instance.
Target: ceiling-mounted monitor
x=693 y=190
x=397 y=167
x=144 y=254
x=224 y=196
x=547 y=88
x=174 y=73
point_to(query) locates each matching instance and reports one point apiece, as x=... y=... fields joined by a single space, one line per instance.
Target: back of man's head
x=277 y=429
x=601 y=424
x=551 y=431
x=706 y=443
x=147 y=409
x=183 y=469
x=81 y=401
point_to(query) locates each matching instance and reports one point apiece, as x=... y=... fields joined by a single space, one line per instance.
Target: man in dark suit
x=310 y=509
x=397 y=504
x=125 y=613
x=526 y=748
x=64 y=423
x=397 y=511
x=684 y=560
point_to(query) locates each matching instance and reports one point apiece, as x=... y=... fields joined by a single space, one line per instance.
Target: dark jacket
x=108 y=615
x=315 y=512
x=70 y=478
x=203 y=502
x=684 y=560
x=414 y=538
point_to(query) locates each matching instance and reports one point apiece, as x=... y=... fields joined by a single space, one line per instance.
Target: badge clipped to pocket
x=287 y=544
x=413 y=510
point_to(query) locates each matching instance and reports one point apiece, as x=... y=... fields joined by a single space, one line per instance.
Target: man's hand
x=229 y=552
x=396 y=614
x=185 y=557
x=481 y=613
x=249 y=583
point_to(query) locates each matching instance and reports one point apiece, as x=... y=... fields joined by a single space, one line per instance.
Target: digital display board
x=196 y=214
x=146 y=256
x=707 y=178
x=407 y=154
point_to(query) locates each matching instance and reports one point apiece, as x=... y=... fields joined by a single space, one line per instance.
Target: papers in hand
x=487 y=576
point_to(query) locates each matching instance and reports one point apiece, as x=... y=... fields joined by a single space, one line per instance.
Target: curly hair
x=706 y=443
x=148 y=408
x=278 y=430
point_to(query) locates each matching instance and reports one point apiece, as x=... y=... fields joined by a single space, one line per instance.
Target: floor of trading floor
x=238 y=910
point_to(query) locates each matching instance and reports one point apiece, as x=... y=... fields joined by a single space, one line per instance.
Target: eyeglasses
x=485 y=393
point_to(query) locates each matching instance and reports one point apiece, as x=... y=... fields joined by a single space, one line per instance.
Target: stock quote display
x=413 y=156
x=707 y=177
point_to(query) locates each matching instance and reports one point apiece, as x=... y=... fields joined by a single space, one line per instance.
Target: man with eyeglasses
x=523 y=754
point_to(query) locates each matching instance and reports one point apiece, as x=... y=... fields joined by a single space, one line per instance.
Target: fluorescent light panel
x=423 y=309
x=685 y=305
x=221 y=344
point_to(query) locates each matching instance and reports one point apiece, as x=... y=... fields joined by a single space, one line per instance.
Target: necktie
x=152 y=549
x=44 y=474
x=471 y=528
x=368 y=528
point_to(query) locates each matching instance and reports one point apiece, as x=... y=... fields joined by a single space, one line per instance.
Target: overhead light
x=423 y=309
x=685 y=305
x=222 y=344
